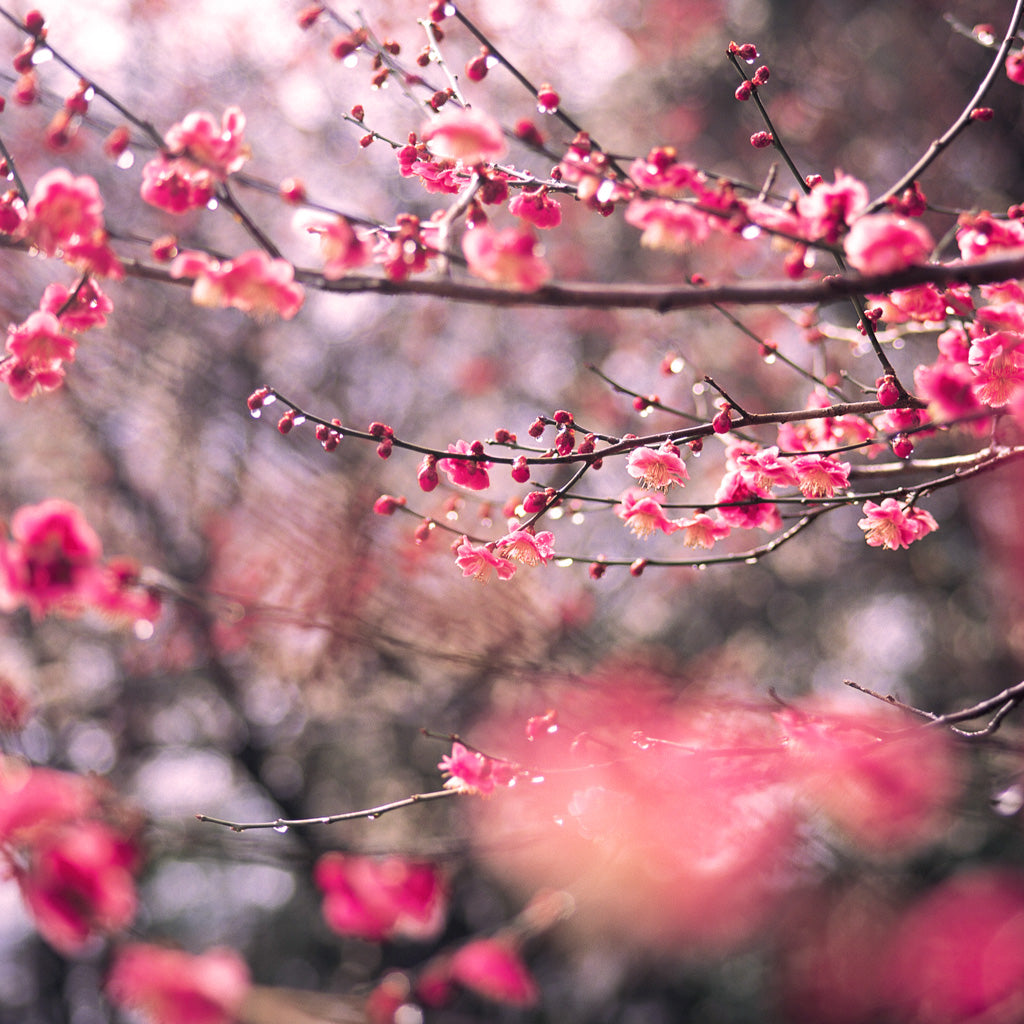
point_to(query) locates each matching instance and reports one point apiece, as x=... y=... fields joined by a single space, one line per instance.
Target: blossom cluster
x=53 y=561
x=72 y=851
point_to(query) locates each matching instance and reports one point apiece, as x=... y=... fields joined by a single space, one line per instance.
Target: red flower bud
x=760 y=140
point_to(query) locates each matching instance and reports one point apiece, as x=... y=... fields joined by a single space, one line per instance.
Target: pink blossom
x=922 y=304
x=253 y=283
x=63 y=211
x=889 y=525
x=509 y=257
x=958 y=954
x=341 y=248
x=465 y=135
x=829 y=207
x=820 y=476
x=78 y=883
x=764 y=469
x=24 y=380
x=662 y=172
x=53 y=557
x=998 y=367
x=675 y=226
x=34 y=800
x=537 y=208
x=15 y=709
x=981 y=235
x=172 y=987
x=702 y=531
x=477 y=560
x=493 y=969
x=643 y=514
x=88 y=309
x=889 y=788
x=657 y=469
x=470 y=473
x=884 y=242
x=176 y=184
x=39 y=341
x=472 y=772
x=741 y=504
x=218 y=147
x=947 y=386
x=526 y=546
x=381 y=899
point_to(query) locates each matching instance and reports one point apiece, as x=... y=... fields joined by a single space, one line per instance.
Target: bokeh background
x=306 y=642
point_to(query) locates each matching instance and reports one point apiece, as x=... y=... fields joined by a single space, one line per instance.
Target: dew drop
x=769 y=358
x=558 y=820
x=350 y=61
x=563 y=563
x=646 y=411
x=212 y=204
x=605 y=190
x=702 y=566
x=536 y=779
x=270 y=399
x=126 y=160
x=299 y=420
x=491 y=61
x=373 y=817
x=450 y=11
x=255 y=413
x=750 y=561
x=325 y=821
x=750 y=231
x=985 y=38
x=555 y=513
x=143 y=629
x=452 y=517
x=677 y=365
x=577 y=518
x=1008 y=802
x=41 y=55
x=281 y=828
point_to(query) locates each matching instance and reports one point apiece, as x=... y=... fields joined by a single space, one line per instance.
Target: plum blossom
x=702 y=531
x=643 y=514
x=675 y=226
x=469 y=473
x=471 y=772
x=657 y=468
x=764 y=469
x=820 y=476
x=200 y=153
x=341 y=248
x=465 y=135
x=53 y=558
x=829 y=207
x=948 y=387
x=536 y=207
x=38 y=349
x=87 y=308
x=478 y=560
x=742 y=505
x=253 y=283
x=998 y=366
x=662 y=172
x=923 y=304
x=509 y=257
x=377 y=899
x=526 y=546
x=980 y=235
x=173 y=987
x=892 y=526
x=63 y=210
x=885 y=242
x=493 y=969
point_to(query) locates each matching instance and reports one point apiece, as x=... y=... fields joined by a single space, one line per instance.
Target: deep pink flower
x=743 y=506
x=958 y=954
x=657 y=468
x=980 y=235
x=478 y=560
x=471 y=772
x=35 y=800
x=88 y=309
x=820 y=476
x=885 y=242
x=509 y=257
x=78 y=883
x=465 y=135
x=526 y=546
x=947 y=386
x=471 y=473
x=536 y=208
x=39 y=341
x=662 y=172
x=643 y=514
x=381 y=899
x=176 y=184
x=889 y=787
x=64 y=210
x=923 y=304
x=829 y=207
x=493 y=969
x=253 y=283
x=218 y=147
x=702 y=531
x=666 y=224
x=1015 y=66
x=888 y=525
x=172 y=987
x=764 y=469
x=341 y=248
x=53 y=557
x=24 y=380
